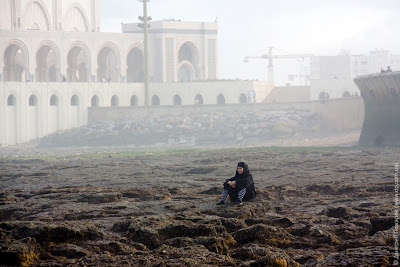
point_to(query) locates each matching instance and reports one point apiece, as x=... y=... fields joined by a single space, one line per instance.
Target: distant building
x=335 y=74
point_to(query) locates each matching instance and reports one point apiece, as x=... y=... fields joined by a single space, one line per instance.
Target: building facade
x=55 y=64
x=56 y=41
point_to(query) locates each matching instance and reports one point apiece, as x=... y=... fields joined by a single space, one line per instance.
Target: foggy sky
x=247 y=28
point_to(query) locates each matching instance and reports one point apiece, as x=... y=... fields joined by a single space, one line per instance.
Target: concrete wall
x=22 y=122
x=381 y=94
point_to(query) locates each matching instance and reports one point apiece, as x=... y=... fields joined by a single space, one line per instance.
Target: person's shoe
x=238 y=202
x=221 y=203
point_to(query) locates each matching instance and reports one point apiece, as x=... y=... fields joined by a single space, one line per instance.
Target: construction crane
x=270 y=57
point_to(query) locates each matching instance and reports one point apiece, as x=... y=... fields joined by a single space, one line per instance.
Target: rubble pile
x=200 y=129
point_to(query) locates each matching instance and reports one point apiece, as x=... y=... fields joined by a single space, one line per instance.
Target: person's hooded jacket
x=244 y=180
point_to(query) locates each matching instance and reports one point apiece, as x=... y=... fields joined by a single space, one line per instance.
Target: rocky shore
x=206 y=128
x=315 y=207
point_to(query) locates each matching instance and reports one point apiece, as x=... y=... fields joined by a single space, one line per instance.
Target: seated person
x=240 y=187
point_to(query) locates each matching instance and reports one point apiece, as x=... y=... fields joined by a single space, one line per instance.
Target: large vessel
x=381 y=94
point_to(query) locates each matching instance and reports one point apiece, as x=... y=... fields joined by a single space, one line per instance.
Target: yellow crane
x=270 y=57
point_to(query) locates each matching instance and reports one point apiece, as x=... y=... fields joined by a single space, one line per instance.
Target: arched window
x=133 y=101
x=114 y=101
x=242 y=99
x=74 y=101
x=94 y=102
x=53 y=101
x=155 y=101
x=220 y=99
x=198 y=100
x=32 y=101
x=11 y=100
x=177 y=100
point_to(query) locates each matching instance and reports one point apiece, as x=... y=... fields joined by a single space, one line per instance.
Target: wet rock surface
x=315 y=207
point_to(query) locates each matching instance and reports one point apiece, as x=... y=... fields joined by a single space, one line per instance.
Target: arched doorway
x=177 y=100
x=109 y=65
x=114 y=101
x=54 y=121
x=155 y=100
x=47 y=63
x=53 y=101
x=11 y=101
x=188 y=58
x=198 y=99
x=242 y=98
x=94 y=102
x=78 y=64
x=221 y=99
x=32 y=118
x=15 y=63
x=135 y=63
x=33 y=102
x=11 y=120
x=74 y=101
x=134 y=101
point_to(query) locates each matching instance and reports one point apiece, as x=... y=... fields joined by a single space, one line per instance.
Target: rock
x=338 y=212
x=57 y=233
x=97 y=198
x=381 y=224
x=114 y=247
x=365 y=256
x=23 y=252
x=264 y=234
x=68 y=251
x=250 y=252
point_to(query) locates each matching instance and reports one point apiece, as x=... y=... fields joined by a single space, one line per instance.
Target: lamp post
x=145 y=26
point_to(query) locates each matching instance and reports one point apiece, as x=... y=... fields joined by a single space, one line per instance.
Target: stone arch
x=16 y=62
x=108 y=63
x=155 y=100
x=78 y=60
x=94 y=102
x=11 y=100
x=221 y=99
x=54 y=101
x=186 y=72
x=242 y=98
x=75 y=101
x=134 y=101
x=189 y=53
x=177 y=100
x=36 y=16
x=135 y=65
x=33 y=101
x=198 y=99
x=114 y=101
x=75 y=19
x=47 y=62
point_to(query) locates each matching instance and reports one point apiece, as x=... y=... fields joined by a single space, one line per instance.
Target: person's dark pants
x=234 y=193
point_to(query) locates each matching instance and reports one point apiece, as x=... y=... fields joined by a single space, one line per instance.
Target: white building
x=55 y=64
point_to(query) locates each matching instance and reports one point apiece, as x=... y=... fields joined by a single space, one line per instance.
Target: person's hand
x=232 y=184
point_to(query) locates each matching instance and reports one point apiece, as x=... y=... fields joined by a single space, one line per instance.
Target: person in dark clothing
x=240 y=187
